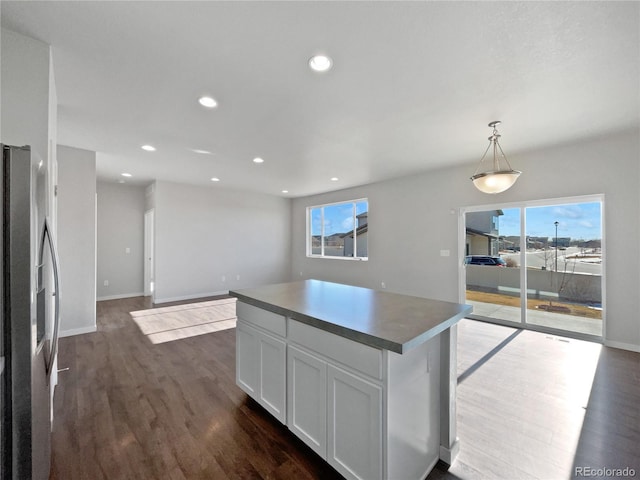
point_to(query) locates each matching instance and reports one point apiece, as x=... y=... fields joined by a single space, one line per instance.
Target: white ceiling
x=413 y=87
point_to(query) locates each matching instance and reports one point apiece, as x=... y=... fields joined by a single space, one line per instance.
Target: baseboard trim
x=624 y=346
x=158 y=301
x=77 y=331
x=122 y=295
x=431 y=466
x=448 y=455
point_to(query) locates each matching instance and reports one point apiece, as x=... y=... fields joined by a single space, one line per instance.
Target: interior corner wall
x=150 y=197
x=209 y=240
x=28 y=108
x=25 y=69
x=120 y=240
x=77 y=239
x=412 y=219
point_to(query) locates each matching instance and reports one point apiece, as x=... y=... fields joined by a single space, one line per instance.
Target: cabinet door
x=247 y=359
x=307 y=399
x=354 y=425
x=273 y=358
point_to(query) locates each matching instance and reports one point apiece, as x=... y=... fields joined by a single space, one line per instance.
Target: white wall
x=29 y=103
x=405 y=252
x=150 y=197
x=77 y=239
x=203 y=234
x=120 y=221
x=25 y=92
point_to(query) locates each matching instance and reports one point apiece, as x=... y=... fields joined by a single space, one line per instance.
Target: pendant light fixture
x=496 y=180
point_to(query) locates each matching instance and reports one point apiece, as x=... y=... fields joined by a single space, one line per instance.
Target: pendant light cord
x=493 y=140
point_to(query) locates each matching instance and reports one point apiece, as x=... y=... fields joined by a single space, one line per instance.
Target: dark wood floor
x=129 y=409
x=530 y=405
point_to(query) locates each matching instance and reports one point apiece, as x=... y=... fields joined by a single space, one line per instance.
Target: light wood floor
x=538 y=406
x=530 y=405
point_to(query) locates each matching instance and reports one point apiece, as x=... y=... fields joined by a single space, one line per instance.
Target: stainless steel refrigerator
x=30 y=304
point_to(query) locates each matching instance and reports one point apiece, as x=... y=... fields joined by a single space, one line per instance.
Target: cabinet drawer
x=358 y=356
x=265 y=319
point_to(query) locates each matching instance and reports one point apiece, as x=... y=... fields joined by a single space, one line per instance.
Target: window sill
x=349 y=259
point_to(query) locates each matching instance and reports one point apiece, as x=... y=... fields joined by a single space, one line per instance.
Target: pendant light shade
x=498 y=179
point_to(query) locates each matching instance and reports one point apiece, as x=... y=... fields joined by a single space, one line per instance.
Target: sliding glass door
x=564 y=274
x=491 y=263
x=537 y=264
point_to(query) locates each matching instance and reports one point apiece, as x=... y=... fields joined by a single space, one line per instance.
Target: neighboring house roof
x=473 y=231
x=592 y=244
x=359 y=231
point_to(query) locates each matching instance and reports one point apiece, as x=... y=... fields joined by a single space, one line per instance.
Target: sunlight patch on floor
x=177 y=322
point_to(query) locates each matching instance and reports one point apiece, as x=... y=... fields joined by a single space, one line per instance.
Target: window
x=338 y=230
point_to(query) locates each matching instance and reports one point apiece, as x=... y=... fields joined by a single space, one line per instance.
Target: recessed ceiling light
x=258 y=160
x=320 y=63
x=215 y=179
x=126 y=174
x=334 y=179
x=148 y=148
x=285 y=191
x=120 y=180
x=208 y=102
x=202 y=152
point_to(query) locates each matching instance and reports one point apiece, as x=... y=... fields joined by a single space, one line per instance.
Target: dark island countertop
x=379 y=319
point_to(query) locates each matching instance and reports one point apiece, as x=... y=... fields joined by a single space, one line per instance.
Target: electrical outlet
x=238 y=277
x=127 y=250
x=383 y=285
x=224 y=278
x=106 y=283
x=445 y=253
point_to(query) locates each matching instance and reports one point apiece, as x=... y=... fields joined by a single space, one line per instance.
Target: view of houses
x=341 y=244
x=483 y=237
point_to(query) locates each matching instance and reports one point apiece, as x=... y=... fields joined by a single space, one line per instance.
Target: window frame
x=309 y=234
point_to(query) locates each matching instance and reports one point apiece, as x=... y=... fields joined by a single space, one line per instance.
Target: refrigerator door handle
x=48 y=237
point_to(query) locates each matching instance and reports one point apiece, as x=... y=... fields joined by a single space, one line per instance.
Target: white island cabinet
x=334 y=399
x=261 y=358
x=307 y=398
x=355 y=418
x=366 y=379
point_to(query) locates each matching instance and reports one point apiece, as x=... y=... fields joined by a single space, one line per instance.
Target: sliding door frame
x=523 y=205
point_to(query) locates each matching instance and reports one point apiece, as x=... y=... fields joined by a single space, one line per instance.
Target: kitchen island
x=365 y=378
